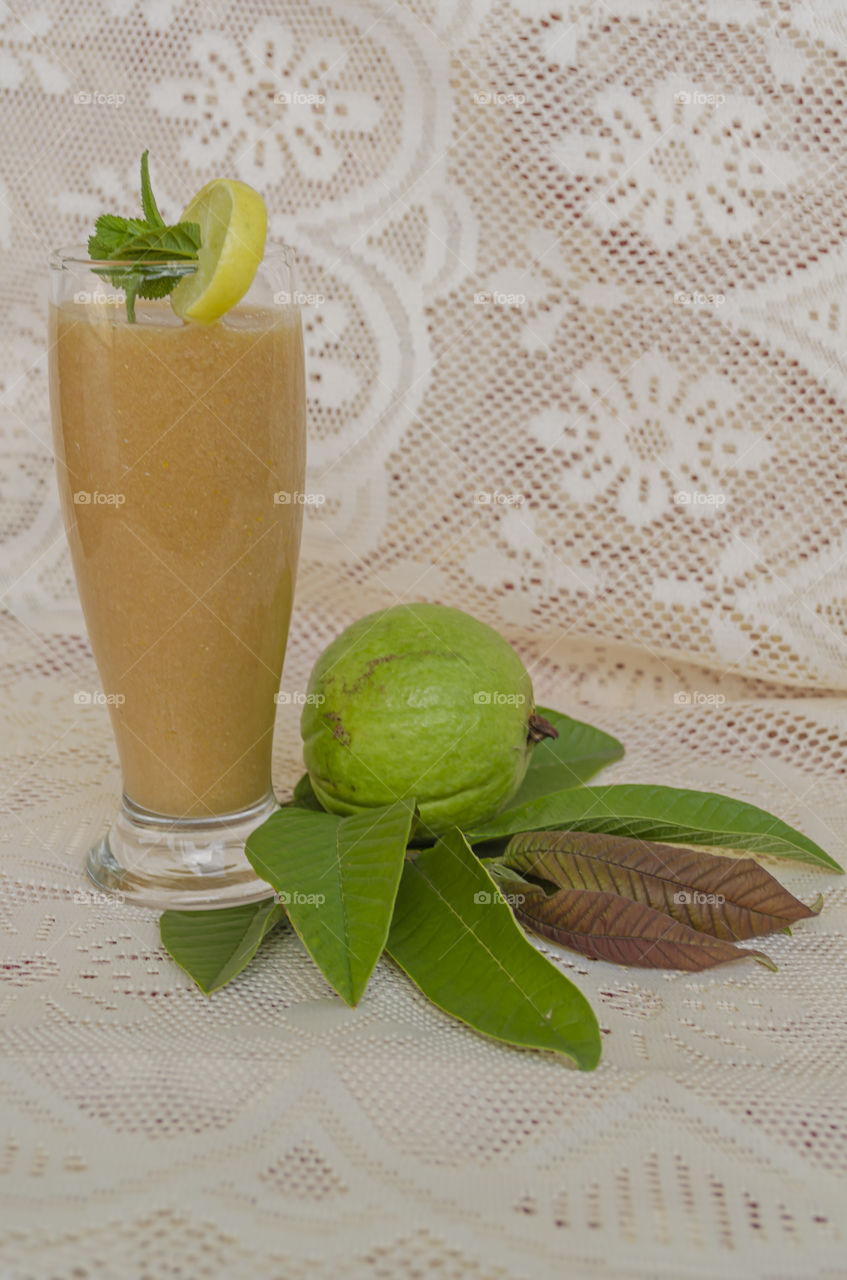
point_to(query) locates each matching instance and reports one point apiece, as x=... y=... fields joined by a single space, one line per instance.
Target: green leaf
x=214 y=946
x=729 y=898
x=110 y=231
x=130 y=284
x=579 y=752
x=456 y=938
x=337 y=878
x=659 y=813
x=148 y=200
x=161 y=244
x=122 y=239
x=148 y=244
x=304 y=796
x=155 y=287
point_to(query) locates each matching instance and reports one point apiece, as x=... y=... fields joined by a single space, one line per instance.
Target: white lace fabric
x=575 y=318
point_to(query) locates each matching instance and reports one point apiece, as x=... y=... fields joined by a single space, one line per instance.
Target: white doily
x=576 y=352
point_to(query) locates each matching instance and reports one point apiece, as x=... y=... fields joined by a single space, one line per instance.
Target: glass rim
x=76 y=255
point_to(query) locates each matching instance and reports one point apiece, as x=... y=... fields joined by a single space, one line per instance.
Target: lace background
x=590 y=263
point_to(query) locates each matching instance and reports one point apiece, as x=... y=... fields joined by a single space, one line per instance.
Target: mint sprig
x=154 y=255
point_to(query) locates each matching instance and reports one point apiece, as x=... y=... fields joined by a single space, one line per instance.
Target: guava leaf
x=456 y=938
x=607 y=926
x=337 y=878
x=214 y=946
x=671 y=814
x=579 y=752
x=729 y=898
x=304 y=796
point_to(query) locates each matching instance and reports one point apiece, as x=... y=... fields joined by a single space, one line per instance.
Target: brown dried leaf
x=729 y=898
x=606 y=926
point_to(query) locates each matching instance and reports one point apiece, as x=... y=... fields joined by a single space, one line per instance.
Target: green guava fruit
x=420 y=701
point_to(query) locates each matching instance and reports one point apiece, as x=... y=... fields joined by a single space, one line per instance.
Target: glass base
x=187 y=863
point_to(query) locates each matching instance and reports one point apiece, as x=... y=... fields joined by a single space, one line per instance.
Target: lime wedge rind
x=233 y=224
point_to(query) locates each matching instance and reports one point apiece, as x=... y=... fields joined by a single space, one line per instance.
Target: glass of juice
x=180 y=453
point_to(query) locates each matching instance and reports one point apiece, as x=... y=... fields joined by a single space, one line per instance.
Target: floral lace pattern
x=579 y=254
x=680 y=160
x=573 y=282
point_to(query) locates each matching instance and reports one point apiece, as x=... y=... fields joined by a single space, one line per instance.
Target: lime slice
x=233 y=225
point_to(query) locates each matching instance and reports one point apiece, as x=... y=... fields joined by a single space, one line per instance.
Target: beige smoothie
x=180 y=456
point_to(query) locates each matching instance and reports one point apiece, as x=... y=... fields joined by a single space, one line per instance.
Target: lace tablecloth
x=576 y=343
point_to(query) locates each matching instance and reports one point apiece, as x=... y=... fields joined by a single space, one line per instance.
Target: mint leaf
x=151 y=287
x=130 y=287
x=153 y=244
x=110 y=231
x=148 y=244
x=148 y=200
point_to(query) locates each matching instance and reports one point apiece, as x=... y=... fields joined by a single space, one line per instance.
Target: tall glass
x=180 y=454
